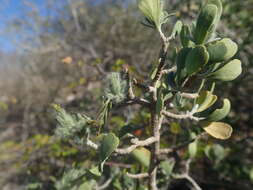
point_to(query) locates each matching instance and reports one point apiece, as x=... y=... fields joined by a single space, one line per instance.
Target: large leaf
x=218 y=130
x=205 y=23
x=142 y=155
x=152 y=10
x=228 y=72
x=219 y=12
x=205 y=100
x=181 y=58
x=221 y=50
x=196 y=59
x=219 y=114
x=109 y=143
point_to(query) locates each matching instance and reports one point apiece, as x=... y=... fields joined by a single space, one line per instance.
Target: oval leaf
x=152 y=10
x=205 y=23
x=196 y=59
x=228 y=72
x=219 y=114
x=218 y=130
x=109 y=143
x=205 y=100
x=221 y=50
x=142 y=155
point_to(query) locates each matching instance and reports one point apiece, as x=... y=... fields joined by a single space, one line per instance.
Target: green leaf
x=251 y=174
x=109 y=143
x=167 y=166
x=221 y=50
x=152 y=10
x=219 y=114
x=228 y=72
x=177 y=29
x=219 y=12
x=205 y=23
x=218 y=130
x=193 y=148
x=185 y=36
x=175 y=128
x=181 y=59
x=95 y=171
x=142 y=155
x=205 y=100
x=196 y=59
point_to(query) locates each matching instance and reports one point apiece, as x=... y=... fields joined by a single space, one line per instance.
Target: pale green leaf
x=228 y=72
x=219 y=114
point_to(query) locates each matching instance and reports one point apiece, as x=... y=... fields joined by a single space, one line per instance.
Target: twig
x=189 y=178
x=105 y=185
x=137 y=176
x=167 y=71
x=189 y=95
x=136 y=144
x=140 y=101
x=188 y=115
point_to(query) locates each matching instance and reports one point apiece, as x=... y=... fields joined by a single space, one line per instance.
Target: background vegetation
x=63 y=56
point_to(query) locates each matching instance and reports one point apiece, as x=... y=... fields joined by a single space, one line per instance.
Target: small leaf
x=228 y=72
x=152 y=10
x=142 y=155
x=193 y=148
x=218 y=130
x=205 y=23
x=95 y=171
x=196 y=59
x=221 y=50
x=109 y=143
x=167 y=166
x=175 y=128
x=205 y=100
x=219 y=114
x=176 y=29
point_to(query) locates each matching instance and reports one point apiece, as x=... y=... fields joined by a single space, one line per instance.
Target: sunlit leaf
x=152 y=10
x=205 y=100
x=228 y=72
x=219 y=114
x=218 y=130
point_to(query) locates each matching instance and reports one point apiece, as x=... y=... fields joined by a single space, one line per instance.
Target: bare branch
x=136 y=144
x=188 y=115
x=136 y=100
x=167 y=71
x=137 y=176
x=189 y=95
x=190 y=179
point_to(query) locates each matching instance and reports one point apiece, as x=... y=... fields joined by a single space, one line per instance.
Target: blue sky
x=10 y=9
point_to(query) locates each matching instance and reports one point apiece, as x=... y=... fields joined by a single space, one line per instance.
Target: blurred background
x=59 y=51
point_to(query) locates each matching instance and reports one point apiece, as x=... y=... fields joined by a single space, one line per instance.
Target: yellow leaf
x=219 y=130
